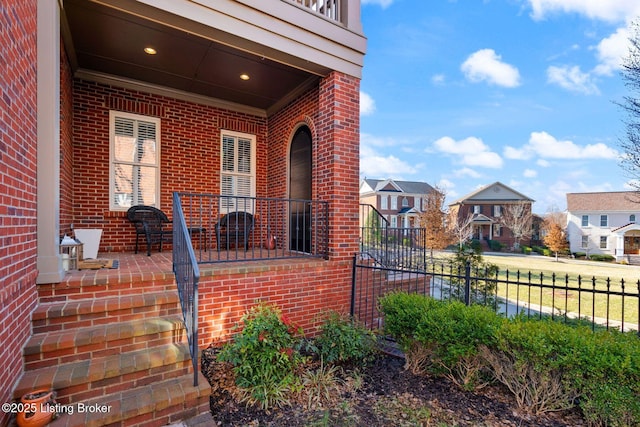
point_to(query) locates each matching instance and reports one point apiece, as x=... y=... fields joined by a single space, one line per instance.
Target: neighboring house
x=400 y=202
x=112 y=103
x=604 y=223
x=484 y=209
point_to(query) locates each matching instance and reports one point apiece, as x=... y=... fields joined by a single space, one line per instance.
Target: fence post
x=353 y=286
x=467 y=283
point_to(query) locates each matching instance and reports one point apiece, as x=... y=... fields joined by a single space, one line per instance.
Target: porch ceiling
x=106 y=40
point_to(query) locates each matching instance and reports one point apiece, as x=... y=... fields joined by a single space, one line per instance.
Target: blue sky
x=464 y=93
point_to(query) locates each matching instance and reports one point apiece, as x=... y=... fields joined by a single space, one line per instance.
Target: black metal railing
x=391 y=247
x=603 y=303
x=226 y=229
x=187 y=273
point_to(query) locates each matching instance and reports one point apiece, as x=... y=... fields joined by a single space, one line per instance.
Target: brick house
x=604 y=223
x=400 y=202
x=188 y=79
x=484 y=207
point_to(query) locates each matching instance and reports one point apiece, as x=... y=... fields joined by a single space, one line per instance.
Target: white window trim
x=394 y=202
x=112 y=119
x=252 y=188
x=581 y=220
x=606 y=219
x=384 y=202
x=606 y=242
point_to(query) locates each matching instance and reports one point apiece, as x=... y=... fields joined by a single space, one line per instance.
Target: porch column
x=49 y=262
x=338 y=163
x=619 y=248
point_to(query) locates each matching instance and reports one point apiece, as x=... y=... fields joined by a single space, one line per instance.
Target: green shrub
x=601 y=257
x=526 y=250
x=342 y=340
x=529 y=358
x=402 y=314
x=580 y=254
x=263 y=356
x=605 y=369
x=455 y=332
x=495 y=245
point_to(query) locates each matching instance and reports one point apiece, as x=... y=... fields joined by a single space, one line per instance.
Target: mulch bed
x=389 y=396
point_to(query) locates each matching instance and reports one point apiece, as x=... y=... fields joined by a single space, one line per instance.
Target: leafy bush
x=263 y=356
x=455 y=333
x=580 y=254
x=495 y=245
x=529 y=359
x=526 y=250
x=605 y=369
x=601 y=257
x=342 y=340
x=402 y=314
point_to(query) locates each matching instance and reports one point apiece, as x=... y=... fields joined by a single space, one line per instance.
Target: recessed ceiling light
x=244 y=76
x=150 y=51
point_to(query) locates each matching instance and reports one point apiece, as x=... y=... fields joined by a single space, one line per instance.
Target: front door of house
x=300 y=191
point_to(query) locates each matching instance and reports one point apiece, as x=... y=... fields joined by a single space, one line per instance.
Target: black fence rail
x=599 y=303
x=225 y=228
x=390 y=247
x=187 y=273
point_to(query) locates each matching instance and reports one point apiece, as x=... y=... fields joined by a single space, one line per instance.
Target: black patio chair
x=234 y=228
x=151 y=223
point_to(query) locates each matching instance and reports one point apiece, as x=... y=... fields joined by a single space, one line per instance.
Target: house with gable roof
x=605 y=223
x=399 y=202
x=484 y=207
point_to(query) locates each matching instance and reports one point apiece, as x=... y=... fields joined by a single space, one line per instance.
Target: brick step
x=65 y=346
x=155 y=404
x=56 y=316
x=97 y=287
x=93 y=377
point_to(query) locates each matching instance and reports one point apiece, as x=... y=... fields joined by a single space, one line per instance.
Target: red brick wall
x=190 y=153
x=18 y=142
x=338 y=127
x=304 y=290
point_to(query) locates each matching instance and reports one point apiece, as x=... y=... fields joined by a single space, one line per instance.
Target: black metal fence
x=225 y=228
x=187 y=273
x=603 y=303
x=393 y=259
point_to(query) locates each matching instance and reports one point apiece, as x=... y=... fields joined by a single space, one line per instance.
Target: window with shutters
x=238 y=171
x=134 y=167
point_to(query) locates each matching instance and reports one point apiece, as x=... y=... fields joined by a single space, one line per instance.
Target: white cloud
x=605 y=10
x=486 y=65
x=543 y=163
x=382 y=3
x=572 y=79
x=467 y=172
x=544 y=145
x=529 y=173
x=374 y=164
x=611 y=51
x=367 y=104
x=469 y=152
x=437 y=79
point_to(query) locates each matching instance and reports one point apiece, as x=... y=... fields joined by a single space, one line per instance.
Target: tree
x=631 y=105
x=555 y=237
x=517 y=218
x=462 y=229
x=433 y=221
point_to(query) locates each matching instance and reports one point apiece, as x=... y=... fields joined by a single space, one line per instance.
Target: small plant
x=320 y=385
x=264 y=358
x=342 y=340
